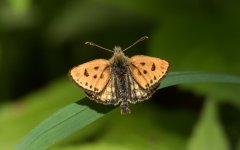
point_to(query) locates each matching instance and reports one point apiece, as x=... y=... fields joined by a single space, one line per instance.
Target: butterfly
x=120 y=80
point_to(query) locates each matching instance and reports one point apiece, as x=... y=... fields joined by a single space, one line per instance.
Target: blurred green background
x=41 y=40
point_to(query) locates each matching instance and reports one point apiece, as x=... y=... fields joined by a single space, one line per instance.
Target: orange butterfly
x=120 y=79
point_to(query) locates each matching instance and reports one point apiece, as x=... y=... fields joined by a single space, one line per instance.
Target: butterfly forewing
x=147 y=71
x=93 y=75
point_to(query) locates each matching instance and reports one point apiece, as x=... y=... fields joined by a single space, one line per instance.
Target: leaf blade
x=76 y=116
x=208 y=133
x=67 y=120
x=175 y=78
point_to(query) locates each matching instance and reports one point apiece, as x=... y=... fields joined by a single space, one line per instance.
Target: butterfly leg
x=125 y=108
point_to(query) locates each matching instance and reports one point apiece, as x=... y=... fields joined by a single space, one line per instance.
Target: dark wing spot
x=153 y=67
x=101 y=76
x=86 y=73
x=95 y=89
x=86 y=84
x=139 y=73
x=96 y=68
x=90 y=86
x=142 y=63
x=151 y=81
x=154 y=78
x=145 y=71
x=147 y=85
x=95 y=76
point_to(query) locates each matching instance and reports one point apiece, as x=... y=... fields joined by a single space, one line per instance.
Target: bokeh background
x=41 y=40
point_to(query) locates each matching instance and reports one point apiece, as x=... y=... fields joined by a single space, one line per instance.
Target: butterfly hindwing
x=92 y=76
x=136 y=92
x=147 y=71
x=108 y=95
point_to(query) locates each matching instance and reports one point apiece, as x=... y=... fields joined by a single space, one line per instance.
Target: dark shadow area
x=100 y=108
x=229 y=117
x=171 y=98
x=174 y=98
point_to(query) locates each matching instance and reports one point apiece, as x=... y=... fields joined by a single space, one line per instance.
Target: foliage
x=41 y=40
x=78 y=115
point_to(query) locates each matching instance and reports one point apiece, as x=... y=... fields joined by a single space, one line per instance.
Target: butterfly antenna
x=93 y=44
x=139 y=40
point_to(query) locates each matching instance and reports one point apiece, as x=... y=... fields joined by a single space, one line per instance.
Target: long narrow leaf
x=175 y=78
x=76 y=116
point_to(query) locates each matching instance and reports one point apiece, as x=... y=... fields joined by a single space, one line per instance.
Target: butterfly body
x=120 y=80
x=120 y=74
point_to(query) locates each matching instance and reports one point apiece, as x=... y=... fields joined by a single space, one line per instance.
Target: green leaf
x=208 y=133
x=175 y=78
x=64 y=122
x=17 y=119
x=76 y=116
x=114 y=131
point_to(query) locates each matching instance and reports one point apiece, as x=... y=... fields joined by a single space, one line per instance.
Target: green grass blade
x=76 y=116
x=62 y=123
x=175 y=78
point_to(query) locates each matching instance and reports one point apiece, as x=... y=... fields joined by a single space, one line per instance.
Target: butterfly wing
x=108 y=95
x=136 y=92
x=92 y=76
x=148 y=71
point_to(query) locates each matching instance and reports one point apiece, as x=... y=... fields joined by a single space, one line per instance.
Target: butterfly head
x=118 y=54
x=117 y=51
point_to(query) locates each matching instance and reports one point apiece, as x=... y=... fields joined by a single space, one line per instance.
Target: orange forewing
x=93 y=75
x=147 y=70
